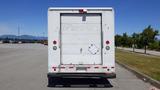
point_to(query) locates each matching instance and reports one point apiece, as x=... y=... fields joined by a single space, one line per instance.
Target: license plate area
x=81 y=68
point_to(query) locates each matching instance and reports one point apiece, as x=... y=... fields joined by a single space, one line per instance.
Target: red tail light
x=54 y=42
x=107 y=42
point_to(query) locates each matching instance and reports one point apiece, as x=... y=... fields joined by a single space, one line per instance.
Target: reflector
x=105 y=67
x=70 y=67
x=96 y=67
x=54 y=48
x=107 y=47
x=62 y=67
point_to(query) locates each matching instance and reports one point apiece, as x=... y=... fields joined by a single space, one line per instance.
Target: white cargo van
x=81 y=43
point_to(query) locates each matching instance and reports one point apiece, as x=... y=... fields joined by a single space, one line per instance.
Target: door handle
x=81 y=50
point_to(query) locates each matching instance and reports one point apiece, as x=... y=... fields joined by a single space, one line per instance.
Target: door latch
x=81 y=50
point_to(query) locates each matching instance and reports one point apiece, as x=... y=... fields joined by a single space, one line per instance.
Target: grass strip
x=147 y=64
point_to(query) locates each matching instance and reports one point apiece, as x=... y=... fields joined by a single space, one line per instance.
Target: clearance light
x=82 y=11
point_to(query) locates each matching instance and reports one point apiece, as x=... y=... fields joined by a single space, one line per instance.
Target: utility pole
x=43 y=40
x=18 y=32
x=43 y=34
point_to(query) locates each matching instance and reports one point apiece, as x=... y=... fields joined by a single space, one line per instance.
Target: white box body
x=81 y=40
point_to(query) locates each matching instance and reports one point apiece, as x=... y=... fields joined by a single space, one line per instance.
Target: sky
x=31 y=15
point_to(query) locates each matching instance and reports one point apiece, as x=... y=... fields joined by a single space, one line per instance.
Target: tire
x=92 y=85
x=67 y=85
x=51 y=82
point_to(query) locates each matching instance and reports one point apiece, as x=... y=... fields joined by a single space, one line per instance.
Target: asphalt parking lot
x=24 y=67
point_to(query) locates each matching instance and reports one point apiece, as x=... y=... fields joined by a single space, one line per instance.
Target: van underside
x=55 y=78
x=79 y=75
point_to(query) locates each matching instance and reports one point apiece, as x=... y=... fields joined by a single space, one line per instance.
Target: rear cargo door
x=81 y=39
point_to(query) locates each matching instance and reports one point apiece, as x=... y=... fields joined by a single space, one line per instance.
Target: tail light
x=54 y=42
x=107 y=42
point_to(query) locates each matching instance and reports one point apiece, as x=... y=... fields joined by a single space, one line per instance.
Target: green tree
x=124 y=39
x=148 y=36
x=135 y=39
x=118 y=39
x=154 y=45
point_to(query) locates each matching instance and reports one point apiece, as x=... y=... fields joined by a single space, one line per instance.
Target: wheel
x=108 y=85
x=66 y=85
x=92 y=85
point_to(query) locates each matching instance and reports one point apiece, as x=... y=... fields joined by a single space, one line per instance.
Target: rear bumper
x=103 y=75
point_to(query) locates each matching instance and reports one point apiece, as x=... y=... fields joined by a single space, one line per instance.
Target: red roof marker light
x=82 y=11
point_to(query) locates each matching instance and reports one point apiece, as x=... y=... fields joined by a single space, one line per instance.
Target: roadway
x=24 y=67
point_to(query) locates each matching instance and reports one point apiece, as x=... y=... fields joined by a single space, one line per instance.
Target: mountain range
x=29 y=37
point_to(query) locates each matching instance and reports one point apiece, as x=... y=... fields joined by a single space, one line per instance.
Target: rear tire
x=51 y=82
x=66 y=85
x=92 y=85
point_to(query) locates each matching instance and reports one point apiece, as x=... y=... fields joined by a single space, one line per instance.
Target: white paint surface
x=75 y=33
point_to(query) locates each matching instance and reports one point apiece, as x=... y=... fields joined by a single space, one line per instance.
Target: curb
x=140 y=75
